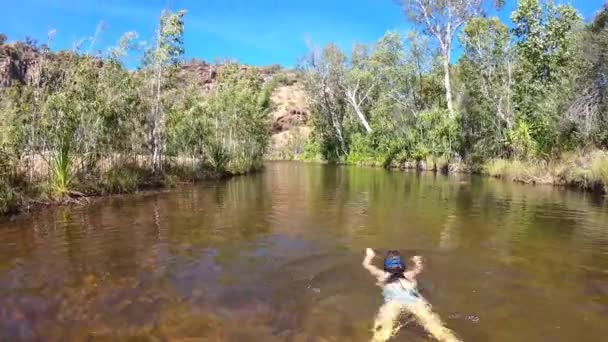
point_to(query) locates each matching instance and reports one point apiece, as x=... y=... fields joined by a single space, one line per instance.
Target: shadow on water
x=276 y=256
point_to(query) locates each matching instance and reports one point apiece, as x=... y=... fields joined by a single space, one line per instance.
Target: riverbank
x=18 y=195
x=587 y=171
x=584 y=170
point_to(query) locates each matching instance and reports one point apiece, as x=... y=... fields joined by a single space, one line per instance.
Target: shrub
x=312 y=151
x=8 y=198
x=124 y=179
x=362 y=153
x=521 y=141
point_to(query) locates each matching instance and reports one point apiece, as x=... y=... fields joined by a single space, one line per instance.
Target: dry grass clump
x=586 y=170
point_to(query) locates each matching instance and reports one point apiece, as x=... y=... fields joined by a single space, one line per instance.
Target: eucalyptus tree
x=442 y=19
x=589 y=108
x=486 y=71
x=323 y=77
x=358 y=84
x=159 y=63
x=239 y=108
x=544 y=45
x=420 y=56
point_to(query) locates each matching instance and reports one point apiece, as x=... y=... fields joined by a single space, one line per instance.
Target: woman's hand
x=413 y=273
x=367 y=263
x=370 y=253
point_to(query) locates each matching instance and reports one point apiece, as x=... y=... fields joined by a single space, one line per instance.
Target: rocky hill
x=19 y=64
x=290 y=118
x=290 y=114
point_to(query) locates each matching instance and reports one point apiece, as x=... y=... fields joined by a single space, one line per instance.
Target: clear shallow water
x=276 y=257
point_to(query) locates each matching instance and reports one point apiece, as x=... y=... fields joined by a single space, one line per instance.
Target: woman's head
x=393 y=262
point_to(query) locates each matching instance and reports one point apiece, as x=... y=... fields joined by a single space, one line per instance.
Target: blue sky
x=258 y=32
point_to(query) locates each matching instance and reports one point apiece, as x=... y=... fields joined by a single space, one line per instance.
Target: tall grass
x=218 y=158
x=586 y=170
x=599 y=172
x=60 y=171
x=530 y=172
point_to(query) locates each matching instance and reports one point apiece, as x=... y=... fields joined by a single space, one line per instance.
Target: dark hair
x=393 y=264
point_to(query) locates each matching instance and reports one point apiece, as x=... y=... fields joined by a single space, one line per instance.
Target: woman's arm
x=367 y=264
x=414 y=272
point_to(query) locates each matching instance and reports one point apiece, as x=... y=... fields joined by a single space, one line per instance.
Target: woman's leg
x=384 y=324
x=431 y=321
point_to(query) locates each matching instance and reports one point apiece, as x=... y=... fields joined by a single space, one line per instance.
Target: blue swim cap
x=394 y=263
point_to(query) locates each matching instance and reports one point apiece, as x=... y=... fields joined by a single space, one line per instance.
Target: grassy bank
x=588 y=171
x=19 y=194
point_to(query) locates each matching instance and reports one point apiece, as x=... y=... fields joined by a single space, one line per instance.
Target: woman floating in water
x=400 y=295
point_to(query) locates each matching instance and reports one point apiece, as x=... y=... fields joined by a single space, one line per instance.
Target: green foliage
x=587 y=113
x=218 y=158
x=545 y=36
x=324 y=77
x=61 y=164
x=313 y=151
x=169 y=40
x=362 y=151
x=385 y=88
x=8 y=198
x=89 y=125
x=485 y=70
x=228 y=128
x=159 y=68
x=529 y=94
x=526 y=94
x=521 y=141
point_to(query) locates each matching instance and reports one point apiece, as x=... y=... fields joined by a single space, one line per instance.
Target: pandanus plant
x=60 y=169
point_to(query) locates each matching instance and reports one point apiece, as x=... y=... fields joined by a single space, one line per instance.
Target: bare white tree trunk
x=338 y=129
x=352 y=96
x=157 y=116
x=156 y=136
x=509 y=94
x=368 y=128
x=447 y=81
x=443 y=19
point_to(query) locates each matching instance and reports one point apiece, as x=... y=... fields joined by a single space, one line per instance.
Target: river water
x=276 y=256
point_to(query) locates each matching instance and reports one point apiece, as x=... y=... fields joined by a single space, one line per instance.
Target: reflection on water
x=276 y=257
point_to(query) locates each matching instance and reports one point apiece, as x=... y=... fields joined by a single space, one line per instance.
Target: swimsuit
x=399 y=294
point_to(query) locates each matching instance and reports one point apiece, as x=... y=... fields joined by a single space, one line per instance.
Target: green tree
x=323 y=80
x=544 y=36
x=359 y=83
x=229 y=127
x=486 y=73
x=160 y=60
x=442 y=19
x=589 y=108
